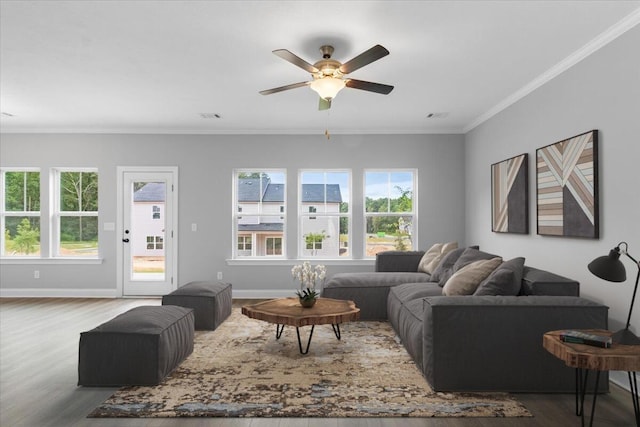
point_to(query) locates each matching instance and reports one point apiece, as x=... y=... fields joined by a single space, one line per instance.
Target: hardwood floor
x=38 y=375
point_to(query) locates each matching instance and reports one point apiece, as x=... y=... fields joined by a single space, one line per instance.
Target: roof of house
x=263 y=226
x=249 y=191
x=150 y=192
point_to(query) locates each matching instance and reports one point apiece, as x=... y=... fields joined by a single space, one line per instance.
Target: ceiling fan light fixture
x=327 y=87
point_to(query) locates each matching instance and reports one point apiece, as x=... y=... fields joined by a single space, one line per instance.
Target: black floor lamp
x=609 y=267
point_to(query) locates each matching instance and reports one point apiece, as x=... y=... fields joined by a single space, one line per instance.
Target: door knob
x=125 y=240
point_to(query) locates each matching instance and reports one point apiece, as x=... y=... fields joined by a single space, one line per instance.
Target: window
x=75 y=216
x=274 y=245
x=20 y=212
x=389 y=202
x=324 y=213
x=155 y=242
x=156 y=212
x=260 y=213
x=244 y=243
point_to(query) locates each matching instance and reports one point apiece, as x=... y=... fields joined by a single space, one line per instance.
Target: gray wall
x=601 y=92
x=205 y=165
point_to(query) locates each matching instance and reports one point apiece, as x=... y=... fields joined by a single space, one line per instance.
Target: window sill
x=292 y=262
x=49 y=261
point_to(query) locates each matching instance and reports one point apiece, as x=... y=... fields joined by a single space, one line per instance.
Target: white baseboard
x=112 y=293
x=261 y=293
x=56 y=293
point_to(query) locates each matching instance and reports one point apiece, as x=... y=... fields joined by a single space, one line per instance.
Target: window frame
x=317 y=210
x=4 y=213
x=56 y=213
x=414 y=205
x=257 y=236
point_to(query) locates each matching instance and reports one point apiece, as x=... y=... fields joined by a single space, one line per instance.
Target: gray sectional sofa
x=482 y=342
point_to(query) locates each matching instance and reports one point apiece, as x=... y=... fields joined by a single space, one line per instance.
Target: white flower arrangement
x=307 y=275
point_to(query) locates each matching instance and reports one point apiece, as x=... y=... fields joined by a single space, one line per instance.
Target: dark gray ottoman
x=210 y=301
x=139 y=347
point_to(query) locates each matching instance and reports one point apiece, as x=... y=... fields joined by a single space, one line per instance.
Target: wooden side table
x=585 y=358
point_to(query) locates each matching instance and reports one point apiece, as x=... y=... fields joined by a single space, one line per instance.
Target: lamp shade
x=609 y=267
x=327 y=87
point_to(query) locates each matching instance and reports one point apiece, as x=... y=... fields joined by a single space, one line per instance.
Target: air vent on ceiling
x=437 y=115
x=210 y=116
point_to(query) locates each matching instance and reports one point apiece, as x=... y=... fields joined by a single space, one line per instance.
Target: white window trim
x=302 y=214
x=235 y=214
x=55 y=214
x=4 y=213
x=414 y=205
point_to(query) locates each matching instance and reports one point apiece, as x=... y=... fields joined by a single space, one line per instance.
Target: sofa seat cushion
x=369 y=291
x=410 y=291
x=406 y=292
x=409 y=329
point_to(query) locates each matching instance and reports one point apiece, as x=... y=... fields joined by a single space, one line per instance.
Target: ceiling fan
x=328 y=74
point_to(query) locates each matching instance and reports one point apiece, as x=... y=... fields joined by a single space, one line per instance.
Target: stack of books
x=579 y=337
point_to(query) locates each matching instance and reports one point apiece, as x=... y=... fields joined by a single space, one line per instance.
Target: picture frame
x=567 y=194
x=510 y=195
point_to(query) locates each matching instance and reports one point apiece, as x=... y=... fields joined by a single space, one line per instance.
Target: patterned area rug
x=241 y=370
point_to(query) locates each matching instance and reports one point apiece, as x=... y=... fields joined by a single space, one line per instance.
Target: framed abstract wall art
x=567 y=187
x=510 y=195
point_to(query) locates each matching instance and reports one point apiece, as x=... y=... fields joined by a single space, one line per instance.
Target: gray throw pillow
x=505 y=280
x=471 y=255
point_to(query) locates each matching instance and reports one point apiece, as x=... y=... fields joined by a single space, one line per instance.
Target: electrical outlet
x=219 y=275
x=36 y=274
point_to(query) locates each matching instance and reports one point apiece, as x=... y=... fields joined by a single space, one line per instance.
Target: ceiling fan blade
x=369 y=86
x=363 y=59
x=283 y=88
x=324 y=104
x=295 y=60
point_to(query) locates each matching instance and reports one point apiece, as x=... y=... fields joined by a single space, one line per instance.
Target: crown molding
x=594 y=45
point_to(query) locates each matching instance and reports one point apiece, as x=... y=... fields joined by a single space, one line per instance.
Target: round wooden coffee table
x=288 y=311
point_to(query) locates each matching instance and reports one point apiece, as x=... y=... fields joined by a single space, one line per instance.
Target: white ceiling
x=155 y=66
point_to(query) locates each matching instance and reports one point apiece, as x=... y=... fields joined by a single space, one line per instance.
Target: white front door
x=148 y=246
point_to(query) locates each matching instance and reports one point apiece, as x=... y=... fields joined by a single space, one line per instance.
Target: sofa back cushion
x=395 y=261
x=542 y=282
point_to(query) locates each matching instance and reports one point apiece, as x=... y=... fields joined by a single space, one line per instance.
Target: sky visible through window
x=384 y=184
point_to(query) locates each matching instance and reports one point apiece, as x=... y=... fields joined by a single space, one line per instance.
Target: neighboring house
x=260 y=227
x=147 y=220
